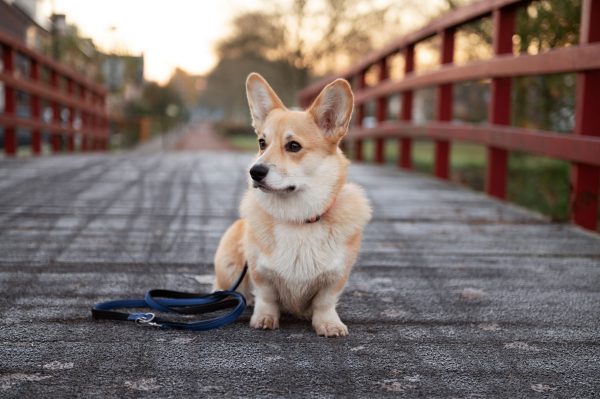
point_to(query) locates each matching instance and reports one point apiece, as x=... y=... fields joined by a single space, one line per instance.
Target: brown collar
x=315 y=219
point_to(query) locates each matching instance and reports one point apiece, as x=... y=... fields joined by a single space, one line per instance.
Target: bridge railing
x=581 y=149
x=42 y=96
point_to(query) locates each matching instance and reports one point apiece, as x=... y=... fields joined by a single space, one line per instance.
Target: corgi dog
x=301 y=223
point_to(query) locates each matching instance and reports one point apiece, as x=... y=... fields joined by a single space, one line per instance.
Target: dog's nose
x=258 y=172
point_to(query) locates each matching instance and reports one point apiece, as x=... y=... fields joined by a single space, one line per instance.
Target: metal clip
x=145 y=319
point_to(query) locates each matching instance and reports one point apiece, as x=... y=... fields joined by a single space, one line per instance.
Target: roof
x=14 y=20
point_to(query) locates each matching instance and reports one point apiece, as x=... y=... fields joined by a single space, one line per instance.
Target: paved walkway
x=454 y=295
x=198 y=136
x=202 y=137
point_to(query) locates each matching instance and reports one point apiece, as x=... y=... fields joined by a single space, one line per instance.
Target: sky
x=169 y=33
x=173 y=33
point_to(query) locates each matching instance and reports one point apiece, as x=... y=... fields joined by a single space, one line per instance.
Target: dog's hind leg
x=229 y=261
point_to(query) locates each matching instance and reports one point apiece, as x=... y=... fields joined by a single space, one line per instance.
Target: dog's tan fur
x=295 y=266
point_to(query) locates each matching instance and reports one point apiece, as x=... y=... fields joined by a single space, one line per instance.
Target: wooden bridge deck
x=454 y=294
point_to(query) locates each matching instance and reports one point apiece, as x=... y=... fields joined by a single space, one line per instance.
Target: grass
x=537 y=183
x=244 y=142
x=540 y=183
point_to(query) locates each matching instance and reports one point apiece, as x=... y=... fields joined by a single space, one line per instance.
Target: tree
x=313 y=37
x=292 y=43
x=547 y=101
x=161 y=104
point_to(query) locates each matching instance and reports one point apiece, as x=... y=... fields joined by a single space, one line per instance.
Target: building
x=188 y=86
x=18 y=19
x=123 y=76
x=123 y=73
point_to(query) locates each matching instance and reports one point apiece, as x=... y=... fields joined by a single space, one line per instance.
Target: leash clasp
x=145 y=319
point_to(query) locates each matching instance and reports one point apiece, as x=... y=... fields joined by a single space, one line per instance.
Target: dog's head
x=299 y=168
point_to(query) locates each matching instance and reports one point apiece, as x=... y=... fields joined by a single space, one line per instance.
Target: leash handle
x=180 y=303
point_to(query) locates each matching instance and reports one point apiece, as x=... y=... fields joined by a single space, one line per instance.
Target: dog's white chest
x=304 y=253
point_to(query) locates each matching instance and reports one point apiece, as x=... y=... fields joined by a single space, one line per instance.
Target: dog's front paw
x=331 y=329
x=264 y=322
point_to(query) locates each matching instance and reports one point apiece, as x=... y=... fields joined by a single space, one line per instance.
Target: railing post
x=93 y=143
x=55 y=138
x=503 y=20
x=585 y=179
x=105 y=126
x=86 y=119
x=71 y=135
x=405 y=150
x=305 y=101
x=444 y=107
x=382 y=103
x=360 y=114
x=36 y=134
x=83 y=97
x=87 y=139
x=10 y=103
x=97 y=125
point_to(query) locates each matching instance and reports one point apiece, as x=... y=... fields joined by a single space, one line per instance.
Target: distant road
x=202 y=136
x=199 y=136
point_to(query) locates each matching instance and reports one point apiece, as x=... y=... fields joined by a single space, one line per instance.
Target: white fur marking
x=314 y=182
x=304 y=252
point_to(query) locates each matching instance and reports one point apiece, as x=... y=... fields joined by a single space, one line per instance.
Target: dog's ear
x=261 y=99
x=332 y=109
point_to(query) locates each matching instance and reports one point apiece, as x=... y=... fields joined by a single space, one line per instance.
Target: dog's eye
x=262 y=144
x=293 y=146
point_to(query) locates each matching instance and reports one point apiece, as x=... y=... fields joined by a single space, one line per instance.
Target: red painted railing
x=582 y=148
x=53 y=99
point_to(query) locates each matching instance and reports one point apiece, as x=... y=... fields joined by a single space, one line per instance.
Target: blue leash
x=185 y=303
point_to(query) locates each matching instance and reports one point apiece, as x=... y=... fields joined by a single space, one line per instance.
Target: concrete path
x=454 y=295
x=196 y=136
x=202 y=136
